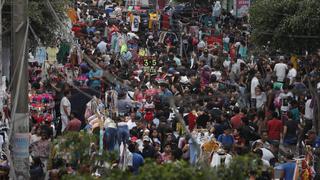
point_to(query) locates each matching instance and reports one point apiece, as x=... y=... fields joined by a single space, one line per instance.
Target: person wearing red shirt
x=74 y=124
x=275 y=127
x=236 y=119
x=192 y=117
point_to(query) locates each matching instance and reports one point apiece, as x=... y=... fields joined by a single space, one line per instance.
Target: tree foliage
x=240 y=168
x=42 y=20
x=76 y=148
x=289 y=25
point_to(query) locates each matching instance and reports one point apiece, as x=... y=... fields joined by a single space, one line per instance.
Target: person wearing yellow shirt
x=294 y=61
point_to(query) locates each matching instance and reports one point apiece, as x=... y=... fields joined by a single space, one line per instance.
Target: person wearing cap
x=220 y=157
x=148 y=150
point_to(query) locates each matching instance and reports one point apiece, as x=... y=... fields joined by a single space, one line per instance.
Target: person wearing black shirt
x=202 y=120
x=290 y=130
x=148 y=150
x=247 y=132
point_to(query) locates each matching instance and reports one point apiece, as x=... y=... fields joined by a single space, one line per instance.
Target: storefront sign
x=149 y=64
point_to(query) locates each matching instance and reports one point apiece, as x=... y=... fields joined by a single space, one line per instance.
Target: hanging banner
x=241 y=7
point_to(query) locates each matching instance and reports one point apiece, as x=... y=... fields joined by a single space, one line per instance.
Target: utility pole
x=1 y=6
x=20 y=117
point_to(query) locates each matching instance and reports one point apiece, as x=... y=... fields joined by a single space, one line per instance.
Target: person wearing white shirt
x=308 y=115
x=292 y=74
x=261 y=98
x=102 y=46
x=65 y=110
x=285 y=97
x=254 y=83
x=220 y=158
x=280 y=69
x=201 y=45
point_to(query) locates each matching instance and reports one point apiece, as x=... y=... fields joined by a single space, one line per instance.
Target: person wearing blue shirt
x=226 y=139
x=165 y=94
x=137 y=159
x=287 y=168
x=312 y=139
x=94 y=78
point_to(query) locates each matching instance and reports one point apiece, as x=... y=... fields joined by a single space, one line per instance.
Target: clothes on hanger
x=153 y=18
x=135 y=23
x=41 y=54
x=111 y=98
x=114 y=42
x=52 y=54
x=63 y=52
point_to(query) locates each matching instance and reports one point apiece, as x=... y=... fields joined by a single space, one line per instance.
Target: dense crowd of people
x=159 y=86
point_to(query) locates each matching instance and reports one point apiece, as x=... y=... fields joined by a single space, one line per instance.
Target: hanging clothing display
x=72 y=14
x=111 y=98
x=165 y=23
x=144 y=20
x=52 y=55
x=153 y=18
x=135 y=23
x=114 y=43
x=41 y=55
x=63 y=52
x=92 y=107
x=74 y=57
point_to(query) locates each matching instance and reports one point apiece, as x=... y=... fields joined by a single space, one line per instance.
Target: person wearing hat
x=148 y=150
x=220 y=157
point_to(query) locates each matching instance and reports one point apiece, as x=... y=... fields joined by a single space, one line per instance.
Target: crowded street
x=129 y=86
